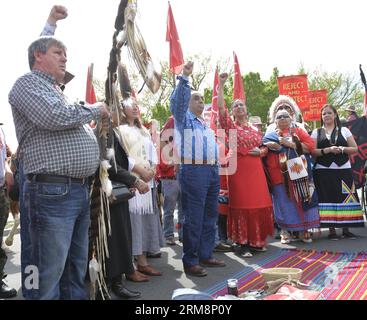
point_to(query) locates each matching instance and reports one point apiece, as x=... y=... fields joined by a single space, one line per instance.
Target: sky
x=319 y=34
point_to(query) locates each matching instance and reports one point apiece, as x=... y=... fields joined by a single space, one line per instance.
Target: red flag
x=238 y=90
x=176 y=60
x=295 y=86
x=214 y=109
x=90 y=96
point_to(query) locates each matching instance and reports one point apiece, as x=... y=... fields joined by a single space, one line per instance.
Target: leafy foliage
x=343 y=89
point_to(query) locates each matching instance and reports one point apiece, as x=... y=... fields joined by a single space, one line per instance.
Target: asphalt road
x=162 y=287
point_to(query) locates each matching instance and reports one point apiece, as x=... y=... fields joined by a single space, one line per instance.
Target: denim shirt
x=195 y=138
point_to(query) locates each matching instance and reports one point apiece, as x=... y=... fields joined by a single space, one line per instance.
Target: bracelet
x=322 y=152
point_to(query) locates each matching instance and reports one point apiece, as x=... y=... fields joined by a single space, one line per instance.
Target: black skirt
x=338 y=199
x=119 y=242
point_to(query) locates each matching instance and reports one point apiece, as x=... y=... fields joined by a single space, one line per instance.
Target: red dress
x=250 y=218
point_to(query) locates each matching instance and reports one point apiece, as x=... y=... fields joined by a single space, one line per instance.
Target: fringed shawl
x=136 y=142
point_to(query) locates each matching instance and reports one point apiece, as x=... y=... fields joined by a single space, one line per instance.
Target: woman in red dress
x=250 y=218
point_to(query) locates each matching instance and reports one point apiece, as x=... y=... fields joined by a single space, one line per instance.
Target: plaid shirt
x=51 y=132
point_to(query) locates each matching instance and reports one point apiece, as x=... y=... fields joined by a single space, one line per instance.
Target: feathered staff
x=138 y=50
x=102 y=188
x=126 y=33
x=363 y=78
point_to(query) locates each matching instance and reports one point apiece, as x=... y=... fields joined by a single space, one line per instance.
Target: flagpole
x=174 y=80
x=91 y=72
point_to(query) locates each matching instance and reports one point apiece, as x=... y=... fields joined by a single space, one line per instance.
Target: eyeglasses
x=283 y=116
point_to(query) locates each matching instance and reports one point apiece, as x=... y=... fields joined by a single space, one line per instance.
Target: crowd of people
x=286 y=179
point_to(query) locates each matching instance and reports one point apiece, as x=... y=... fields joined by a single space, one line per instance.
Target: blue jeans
x=199 y=196
x=172 y=196
x=25 y=239
x=59 y=219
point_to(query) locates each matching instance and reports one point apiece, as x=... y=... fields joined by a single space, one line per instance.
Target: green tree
x=343 y=89
x=259 y=94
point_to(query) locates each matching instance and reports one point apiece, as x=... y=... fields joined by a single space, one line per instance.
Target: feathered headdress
x=283 y=100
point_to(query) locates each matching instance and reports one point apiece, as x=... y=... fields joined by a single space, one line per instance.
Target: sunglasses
x=283 y=116
x=284 y=107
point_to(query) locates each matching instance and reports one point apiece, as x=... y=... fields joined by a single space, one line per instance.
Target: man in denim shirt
x=199 y=177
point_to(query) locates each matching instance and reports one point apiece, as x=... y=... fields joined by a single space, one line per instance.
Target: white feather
x=121 y=38
x=150 y=70
x=106 y=184
x=110 y=153
x=127 y=102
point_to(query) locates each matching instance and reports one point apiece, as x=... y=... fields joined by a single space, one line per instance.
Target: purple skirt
x=288 y=216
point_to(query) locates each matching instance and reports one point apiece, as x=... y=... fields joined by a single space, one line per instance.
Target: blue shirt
x=195 y=138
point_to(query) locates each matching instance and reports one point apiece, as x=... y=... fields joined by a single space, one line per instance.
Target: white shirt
x=345 y=132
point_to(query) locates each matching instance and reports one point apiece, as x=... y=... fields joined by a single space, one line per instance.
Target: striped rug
x=339 y=276
x=351 y=282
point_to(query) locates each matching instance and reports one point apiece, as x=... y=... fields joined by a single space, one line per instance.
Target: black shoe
x=106 y=296
x=6 y=292
x=333 y=236
x=222 y=247
x=154 y=254
x=349 y=235
x=119 y=290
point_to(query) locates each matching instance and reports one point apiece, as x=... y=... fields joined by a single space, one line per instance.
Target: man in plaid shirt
x=59 y=153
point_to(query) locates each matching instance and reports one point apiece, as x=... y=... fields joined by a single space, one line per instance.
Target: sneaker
x=349 y=235
x=285 y=237
x=285 y=240
x=307 y=240
x=277 y=234
x=243 y=251
x=306 y=237
x=6 y=292
x=333 y=236
x=258 y=249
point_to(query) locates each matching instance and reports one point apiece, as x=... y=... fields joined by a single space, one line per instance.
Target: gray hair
x=42 y=44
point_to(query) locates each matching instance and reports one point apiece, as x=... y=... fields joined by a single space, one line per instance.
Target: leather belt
x=58 y=179
x=168 y=178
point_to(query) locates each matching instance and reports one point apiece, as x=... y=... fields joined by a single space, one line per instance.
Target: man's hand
x=104 y=111
x=105 y=115
x=188 y=68
x=57 y=13
x=223 y=78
